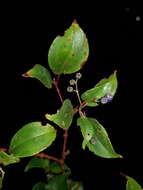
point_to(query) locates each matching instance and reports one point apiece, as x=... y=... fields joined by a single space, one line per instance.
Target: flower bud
x=72 y=82
x=78 y=76
x=70 y=89
x=104 y=100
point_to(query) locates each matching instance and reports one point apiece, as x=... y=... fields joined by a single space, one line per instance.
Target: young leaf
x=58 y=182
x=32 y=139
x=36 y=162
x=96 y=138
x=40 y=186
x=104 y=87
x=41 y=73
x=68 y=53
x=132 y=184
x=6 y=159
x=55 y=168
x=64 y=116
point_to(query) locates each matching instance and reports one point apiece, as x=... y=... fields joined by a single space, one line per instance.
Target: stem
x=63 y=156
x=3 y=149
x=77 y=92
x=55 y=82
x=65 y=144
x=42 y=155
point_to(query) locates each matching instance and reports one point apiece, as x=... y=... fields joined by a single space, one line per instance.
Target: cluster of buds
x=73 y=82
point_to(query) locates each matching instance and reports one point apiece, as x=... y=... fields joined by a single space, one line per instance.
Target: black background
x=115 y=40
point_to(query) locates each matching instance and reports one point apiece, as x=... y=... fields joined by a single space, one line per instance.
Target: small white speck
x=138 y=18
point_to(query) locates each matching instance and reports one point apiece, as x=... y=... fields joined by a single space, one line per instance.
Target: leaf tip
x=74 y=21
x=120 y=156
x=123 y=175
x=26 y=75
x=115 y=72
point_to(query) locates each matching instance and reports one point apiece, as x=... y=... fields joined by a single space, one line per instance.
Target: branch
x=42 y=155
x=65 y=144
x=55 y=82
x=3 y=149
x=77 y=92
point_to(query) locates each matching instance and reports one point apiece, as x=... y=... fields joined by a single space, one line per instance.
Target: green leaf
x=74 y=185
x=132 y=184
x=68 y=53
x=96 y=138
x=41 y=73
x=55 y=168
x=58 y=182
x=32 y=139
x=104 y=87
x=36 y=162
x=63 y=118
x=40 y=186
x=6 y=159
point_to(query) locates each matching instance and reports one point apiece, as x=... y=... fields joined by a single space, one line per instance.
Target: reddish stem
x=42 y=155
x=56 y=81
x=3 y=149
x=65 y=144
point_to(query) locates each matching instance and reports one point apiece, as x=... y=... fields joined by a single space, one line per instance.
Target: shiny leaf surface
x=32 y=139
x=68 y=53
x=96 y=138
